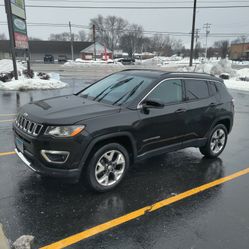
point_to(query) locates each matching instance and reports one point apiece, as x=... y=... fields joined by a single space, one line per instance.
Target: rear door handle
x=180 y=110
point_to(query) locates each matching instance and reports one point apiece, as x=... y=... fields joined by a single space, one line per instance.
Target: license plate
x=19 y=144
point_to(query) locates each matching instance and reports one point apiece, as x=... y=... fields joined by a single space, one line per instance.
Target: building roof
x=48 y=47
x=239 y=44
x=100 y=49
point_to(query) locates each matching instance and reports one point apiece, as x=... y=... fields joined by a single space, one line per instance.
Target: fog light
x=53 y=156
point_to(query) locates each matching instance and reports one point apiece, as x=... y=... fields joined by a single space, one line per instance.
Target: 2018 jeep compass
x=125 y=117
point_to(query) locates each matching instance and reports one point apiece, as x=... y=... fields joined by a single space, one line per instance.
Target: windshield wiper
x=132 y=92
x=102 y=92
x=120 y=83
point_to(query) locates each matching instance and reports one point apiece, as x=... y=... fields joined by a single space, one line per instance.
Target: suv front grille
x=28 y=126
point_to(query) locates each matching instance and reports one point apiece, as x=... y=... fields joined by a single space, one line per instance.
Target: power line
x=172 y=33
x=134 y=2
x=134 y=7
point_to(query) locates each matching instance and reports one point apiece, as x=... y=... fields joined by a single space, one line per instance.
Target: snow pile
x=217 y=68
x=6 y=66
x=24 y=242
x=24 y=83
x=239 y=79
x=237 y=84
x=243 y=72
x=32 y=84
x=240 y=63
x=88 y=63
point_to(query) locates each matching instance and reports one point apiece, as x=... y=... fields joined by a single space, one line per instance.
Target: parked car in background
x=48 y=58
x=121 y=119
x=62 y=58
x=127 y=61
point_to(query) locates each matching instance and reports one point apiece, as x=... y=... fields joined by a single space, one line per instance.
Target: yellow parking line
x=7 y=153
x=140 y=212
x=5 y=121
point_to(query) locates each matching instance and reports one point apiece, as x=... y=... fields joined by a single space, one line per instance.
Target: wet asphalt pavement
x=52 y=210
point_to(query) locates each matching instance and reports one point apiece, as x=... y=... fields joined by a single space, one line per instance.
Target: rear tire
x=107 y=167
x=216 y=142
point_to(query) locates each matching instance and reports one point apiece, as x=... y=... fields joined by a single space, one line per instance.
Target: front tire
x=216 y=142
x=107 y=167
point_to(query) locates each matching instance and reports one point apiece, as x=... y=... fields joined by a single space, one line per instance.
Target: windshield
x=117 y=89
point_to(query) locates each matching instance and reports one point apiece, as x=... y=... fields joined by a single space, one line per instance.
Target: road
x=52 y=210
x=99 y=71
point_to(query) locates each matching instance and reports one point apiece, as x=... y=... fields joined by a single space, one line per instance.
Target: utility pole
x=11 y=35
x=193 y=35
x=94 y=41
x=207 y=31
x=196 y=40
x=71 y=38
x=197 y=31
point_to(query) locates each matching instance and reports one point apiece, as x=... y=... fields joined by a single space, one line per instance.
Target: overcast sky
x=166 y=20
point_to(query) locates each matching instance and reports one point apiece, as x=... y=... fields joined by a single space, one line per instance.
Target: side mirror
x=152 y=103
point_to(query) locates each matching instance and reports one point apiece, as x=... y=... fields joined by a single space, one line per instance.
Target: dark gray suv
x=123 y=118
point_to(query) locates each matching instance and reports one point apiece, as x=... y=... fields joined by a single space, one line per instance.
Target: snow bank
x=217 y=68
x=223 y=67
x=237 y=84
x=6 y=66
x=32 y=84
x=243 y=72
x=88 y=63
x=23 y=83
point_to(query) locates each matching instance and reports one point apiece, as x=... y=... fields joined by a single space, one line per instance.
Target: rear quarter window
x=213 y=89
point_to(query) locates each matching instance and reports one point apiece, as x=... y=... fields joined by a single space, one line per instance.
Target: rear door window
x=169 y=91
x=196 y=89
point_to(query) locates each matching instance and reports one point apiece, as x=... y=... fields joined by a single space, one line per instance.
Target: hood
x=66 y=110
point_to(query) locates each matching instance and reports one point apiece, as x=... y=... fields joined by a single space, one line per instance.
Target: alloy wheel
x=110 y=168
x=218 y=141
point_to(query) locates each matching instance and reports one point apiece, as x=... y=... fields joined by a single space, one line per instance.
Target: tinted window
x=196 y=89
x=169 y=91
x=212 y=88
x=117 y=89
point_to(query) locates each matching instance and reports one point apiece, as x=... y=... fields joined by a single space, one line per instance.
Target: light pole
x=71 y=39
x=207 y=29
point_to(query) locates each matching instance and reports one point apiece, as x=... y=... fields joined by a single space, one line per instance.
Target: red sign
x=21 y=41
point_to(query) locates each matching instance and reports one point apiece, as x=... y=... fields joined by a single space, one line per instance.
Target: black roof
x=162 y=74
x=49 y=47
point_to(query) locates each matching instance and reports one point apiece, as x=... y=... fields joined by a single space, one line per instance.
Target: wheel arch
x=123 y=138
x=227 y=121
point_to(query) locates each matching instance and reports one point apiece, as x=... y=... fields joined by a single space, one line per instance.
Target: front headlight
x=64 y=131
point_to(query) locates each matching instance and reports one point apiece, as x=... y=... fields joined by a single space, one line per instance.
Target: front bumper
x=31 y=154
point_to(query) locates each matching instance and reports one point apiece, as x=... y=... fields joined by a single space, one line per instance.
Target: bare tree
x=31 y=38
x=161 y=44
x=223 y=48
x=197 y=50
x=82 y=35
x=241 y=39
x=177 y=46
x=108 y=30
x=2 y=36
x=65 y=36
x=132 y=40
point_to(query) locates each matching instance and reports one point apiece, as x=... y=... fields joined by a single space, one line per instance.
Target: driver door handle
x=181 y=110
